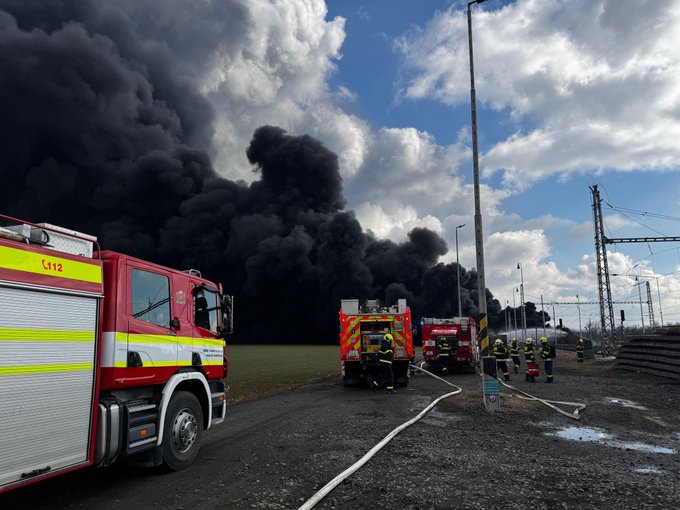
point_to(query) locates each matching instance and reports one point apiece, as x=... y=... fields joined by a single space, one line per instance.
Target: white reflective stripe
x=108 y=349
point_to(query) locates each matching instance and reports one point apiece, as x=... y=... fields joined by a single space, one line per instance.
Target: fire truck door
x=47 y=364
x=152 y=341
x=207 y=344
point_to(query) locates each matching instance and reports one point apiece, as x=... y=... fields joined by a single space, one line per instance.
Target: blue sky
x=570 y=94
x=373 y=69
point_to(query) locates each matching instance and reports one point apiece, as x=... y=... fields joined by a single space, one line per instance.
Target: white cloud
x=597 y=80
x=395 y=224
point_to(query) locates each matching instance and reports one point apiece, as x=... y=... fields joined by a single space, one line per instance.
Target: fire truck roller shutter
x=47 y=362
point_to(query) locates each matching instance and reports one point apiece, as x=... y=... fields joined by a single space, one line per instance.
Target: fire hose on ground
x=326 y=489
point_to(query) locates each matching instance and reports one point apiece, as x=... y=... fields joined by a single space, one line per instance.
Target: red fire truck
x=362 y=328
x=461 y=335
x=102 y=356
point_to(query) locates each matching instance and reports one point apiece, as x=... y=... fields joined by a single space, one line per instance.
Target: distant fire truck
x=461 y=335
x=362 y=328
x=102 y=356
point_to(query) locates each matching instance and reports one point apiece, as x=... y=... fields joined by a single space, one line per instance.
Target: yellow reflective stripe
x=43 y=369
x=168 y=340
x=183 y=363
x=208 y=342
x=44 y=335
x=37 y=263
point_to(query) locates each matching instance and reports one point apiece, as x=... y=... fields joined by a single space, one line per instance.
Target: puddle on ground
x=624 y=403
x=440 y=419
x=418 y=402
x=600 y=436
x=649 y=470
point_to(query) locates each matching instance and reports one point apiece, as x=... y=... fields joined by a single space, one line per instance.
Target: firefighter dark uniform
x=443 y=353
x=529 y=357
x=500 y=352
x=385 y=377
x=579 y=350
x=514 y=354
x=548 y=356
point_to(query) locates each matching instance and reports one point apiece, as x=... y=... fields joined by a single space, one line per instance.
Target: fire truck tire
x=183 y=431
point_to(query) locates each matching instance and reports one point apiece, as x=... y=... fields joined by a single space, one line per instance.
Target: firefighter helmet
x=388 y=337
x=498 y=342
x=580 y=340
x=529 y=341
x=544 y=340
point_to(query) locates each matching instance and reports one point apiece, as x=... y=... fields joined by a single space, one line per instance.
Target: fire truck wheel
x=183 y=431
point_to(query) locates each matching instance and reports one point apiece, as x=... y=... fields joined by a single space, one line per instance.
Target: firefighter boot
x=506 y=377
x=515 y=369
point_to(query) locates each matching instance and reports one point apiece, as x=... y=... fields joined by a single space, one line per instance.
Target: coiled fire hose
x=326 y=489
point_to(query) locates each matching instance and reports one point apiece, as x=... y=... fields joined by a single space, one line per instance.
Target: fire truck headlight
x=353 y=353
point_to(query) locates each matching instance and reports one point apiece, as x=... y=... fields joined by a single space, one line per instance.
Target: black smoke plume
x=101 y=133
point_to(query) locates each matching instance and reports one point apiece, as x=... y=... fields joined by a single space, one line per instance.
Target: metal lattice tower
x=652 y=320
x=604 y=288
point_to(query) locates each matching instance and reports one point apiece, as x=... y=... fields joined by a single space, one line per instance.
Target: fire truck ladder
x=603 y=284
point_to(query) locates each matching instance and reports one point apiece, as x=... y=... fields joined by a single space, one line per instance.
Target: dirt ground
x=274 y=453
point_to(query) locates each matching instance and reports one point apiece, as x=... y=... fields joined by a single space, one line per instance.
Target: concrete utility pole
x=491 y=387
x=642 y=316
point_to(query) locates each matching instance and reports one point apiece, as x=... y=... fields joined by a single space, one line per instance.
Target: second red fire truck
x=102 y=356
x=461 y=335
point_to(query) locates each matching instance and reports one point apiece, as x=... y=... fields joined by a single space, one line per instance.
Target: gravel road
x=274 y=453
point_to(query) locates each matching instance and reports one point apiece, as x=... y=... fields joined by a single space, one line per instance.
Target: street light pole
x=479 y=242
x=460 y=306
x=514 y=308
x=578 y=306
x=521 y=297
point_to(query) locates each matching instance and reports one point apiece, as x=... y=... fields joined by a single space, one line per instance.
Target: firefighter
x=547 y=355
x=514 y=353
x=501 y=354
x=529 y=358
x=579 y=350
x=385 y=377
x=443 y=352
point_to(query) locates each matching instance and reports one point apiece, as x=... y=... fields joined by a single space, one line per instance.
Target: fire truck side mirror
x=227 y=309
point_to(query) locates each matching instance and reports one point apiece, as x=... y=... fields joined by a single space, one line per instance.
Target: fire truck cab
x=362 y=328
x=102 y=356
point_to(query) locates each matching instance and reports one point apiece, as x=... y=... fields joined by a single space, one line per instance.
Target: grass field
x=260 y=370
